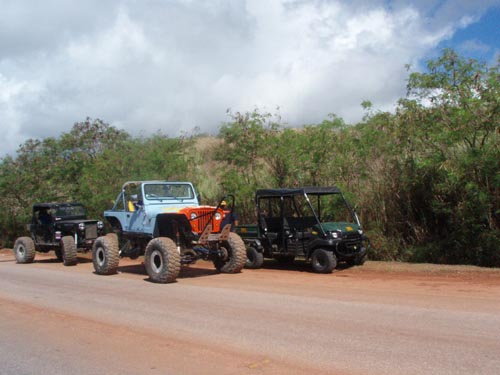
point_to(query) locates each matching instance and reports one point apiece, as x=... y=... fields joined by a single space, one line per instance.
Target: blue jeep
x=164 y=221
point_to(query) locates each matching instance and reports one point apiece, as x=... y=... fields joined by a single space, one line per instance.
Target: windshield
x=331 y=208
x=69 y=211
x=163 y=191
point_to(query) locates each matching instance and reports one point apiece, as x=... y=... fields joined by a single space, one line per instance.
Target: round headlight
x=218 y=216
x=81 y=226
x=100 y=224
x=192 y=216
x=360 y=231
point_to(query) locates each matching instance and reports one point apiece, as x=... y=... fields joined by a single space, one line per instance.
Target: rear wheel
x=68 y=249
x=323 y=261
x=105 y=255
x=162 y=260
x=233 y=255
x=255 y=259
x=24 y=250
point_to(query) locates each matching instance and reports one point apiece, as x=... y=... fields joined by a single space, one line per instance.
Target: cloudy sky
x=173 y=65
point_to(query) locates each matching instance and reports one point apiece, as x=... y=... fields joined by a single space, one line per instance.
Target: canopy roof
x=310 y=190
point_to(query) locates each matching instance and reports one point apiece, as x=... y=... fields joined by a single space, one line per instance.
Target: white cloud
x=145 y=66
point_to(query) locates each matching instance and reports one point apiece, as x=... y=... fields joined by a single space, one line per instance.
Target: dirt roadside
x=453 y=290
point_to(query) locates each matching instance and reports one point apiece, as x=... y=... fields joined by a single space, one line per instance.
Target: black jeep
x=62 y=227
x=313 y=223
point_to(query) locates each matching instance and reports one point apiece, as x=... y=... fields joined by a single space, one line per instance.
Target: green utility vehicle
x=312 y=223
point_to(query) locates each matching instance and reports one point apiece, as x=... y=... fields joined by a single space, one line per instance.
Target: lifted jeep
x=313 y=223
x=163 y=221
x=62 y=227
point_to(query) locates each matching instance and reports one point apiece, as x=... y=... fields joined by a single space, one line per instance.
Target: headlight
x=335 y=234
x=360 y=231
x=100 y=224
x=217 y=216
x=192 y=216
x=81 y=226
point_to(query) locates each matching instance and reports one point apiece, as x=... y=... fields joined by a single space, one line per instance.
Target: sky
x=175 y=65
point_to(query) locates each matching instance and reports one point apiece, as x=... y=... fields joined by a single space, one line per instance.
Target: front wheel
x=162 y=260
x=68 y=249
x=24 y=250
x=323 y=261
x=255 y=259
x=233 y=255
x=105 y=254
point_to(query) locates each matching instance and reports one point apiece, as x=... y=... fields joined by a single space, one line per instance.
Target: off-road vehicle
x=313 y=223
x=164 y=221
x=62 y=227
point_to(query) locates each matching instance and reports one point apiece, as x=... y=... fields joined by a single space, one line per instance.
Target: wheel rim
x=101 y=256
x=156 y=261
x=21 y=250
x=319 y=261
x=224 y=253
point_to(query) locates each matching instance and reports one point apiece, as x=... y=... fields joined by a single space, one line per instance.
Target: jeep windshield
x=165 y=191
x=69 y=211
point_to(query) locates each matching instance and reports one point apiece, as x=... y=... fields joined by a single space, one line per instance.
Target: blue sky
x=480 y=40
x=173 y=66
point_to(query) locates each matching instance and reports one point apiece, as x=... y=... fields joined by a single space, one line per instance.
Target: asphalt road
x=367 y=320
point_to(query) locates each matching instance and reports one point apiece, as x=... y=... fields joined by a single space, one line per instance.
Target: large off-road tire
x=24 y=250
x=105 y=254
x=255 y=259
x=68 y=250
x=162 y=260
x=323 y=261
x=235 y=255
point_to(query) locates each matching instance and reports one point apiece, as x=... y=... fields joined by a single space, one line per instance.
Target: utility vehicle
x=313 y=223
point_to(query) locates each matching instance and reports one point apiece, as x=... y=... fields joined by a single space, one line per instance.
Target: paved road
x=67 y=320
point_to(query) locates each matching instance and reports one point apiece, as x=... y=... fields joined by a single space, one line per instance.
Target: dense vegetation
x=425 y=179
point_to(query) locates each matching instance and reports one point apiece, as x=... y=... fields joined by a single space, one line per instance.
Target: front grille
x=203 y=216
x=90 y=231
x=352 y=236
x=350 y=246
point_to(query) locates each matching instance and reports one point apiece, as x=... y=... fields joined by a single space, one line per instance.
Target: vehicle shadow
x=48 y=261
x=298 y=266
x=84 y=260
x=137 y=269
x=186 y=272
x=55 y=260
x=7 y=260
x=193 y=272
